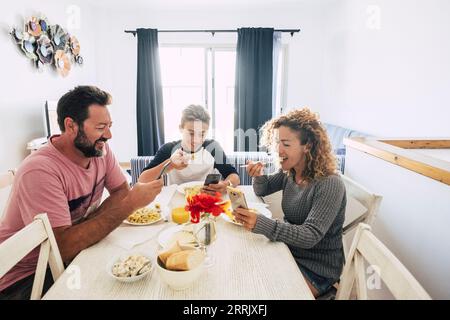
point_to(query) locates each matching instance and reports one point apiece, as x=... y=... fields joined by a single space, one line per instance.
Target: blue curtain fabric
x=253 y=94
x=149 y=100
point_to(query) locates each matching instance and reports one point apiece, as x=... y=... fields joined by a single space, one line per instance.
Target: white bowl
x=111 y=263
x=179 y=280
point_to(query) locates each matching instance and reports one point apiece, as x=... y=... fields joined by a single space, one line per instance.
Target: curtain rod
x=291 y=31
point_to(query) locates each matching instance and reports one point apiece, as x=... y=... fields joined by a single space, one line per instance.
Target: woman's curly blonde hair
x=320 y=160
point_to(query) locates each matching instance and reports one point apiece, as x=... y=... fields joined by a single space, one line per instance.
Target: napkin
x=164 y=198
x=127 y=236
x=165 y=195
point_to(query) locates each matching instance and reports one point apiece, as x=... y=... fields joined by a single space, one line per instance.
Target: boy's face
x=193 y=134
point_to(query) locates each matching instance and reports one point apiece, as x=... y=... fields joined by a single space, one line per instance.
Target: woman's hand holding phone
x=245 y=216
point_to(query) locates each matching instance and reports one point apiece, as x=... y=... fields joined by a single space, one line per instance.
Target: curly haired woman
x=313 y=201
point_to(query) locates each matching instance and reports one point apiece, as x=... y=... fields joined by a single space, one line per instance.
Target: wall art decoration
x=46 y=44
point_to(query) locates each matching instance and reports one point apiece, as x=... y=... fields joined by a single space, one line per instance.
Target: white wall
x=387 y=82
x=413 y=220
x=391 y=81
x=116 y=60
x=23 y=91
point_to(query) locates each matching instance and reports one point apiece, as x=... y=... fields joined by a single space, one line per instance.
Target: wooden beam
x=419 y=144
x=387 y=152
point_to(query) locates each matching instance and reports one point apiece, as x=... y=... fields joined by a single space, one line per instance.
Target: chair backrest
x=367 y=248
x=15 y=248
x=6 y=181
x=365 y=198
x=137 y=165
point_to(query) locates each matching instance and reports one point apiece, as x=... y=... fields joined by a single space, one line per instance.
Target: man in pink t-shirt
x=65 y=179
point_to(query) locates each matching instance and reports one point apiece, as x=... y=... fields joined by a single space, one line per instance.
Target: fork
x=143 y=266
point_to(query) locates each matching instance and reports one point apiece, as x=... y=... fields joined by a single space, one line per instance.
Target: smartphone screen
x=212 y=178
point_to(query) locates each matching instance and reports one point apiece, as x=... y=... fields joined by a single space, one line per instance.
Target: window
x=183 y=81
x=206 y=76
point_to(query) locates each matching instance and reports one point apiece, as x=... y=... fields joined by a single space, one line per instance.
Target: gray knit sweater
x=313 y=220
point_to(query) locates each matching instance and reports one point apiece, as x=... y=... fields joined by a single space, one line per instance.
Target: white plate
x=260 y=208
x=165 y=237
x=163 y=213
x=181 y=187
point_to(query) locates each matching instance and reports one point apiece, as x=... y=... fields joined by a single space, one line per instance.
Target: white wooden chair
x=15 y=248
x=363 y=210
x=366 y=247
x=6 y=181
x=274 y=202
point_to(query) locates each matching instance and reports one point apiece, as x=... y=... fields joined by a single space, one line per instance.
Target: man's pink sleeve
x=114 y=174
x=42 y=192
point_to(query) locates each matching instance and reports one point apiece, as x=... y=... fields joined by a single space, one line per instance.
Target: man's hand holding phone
x=143 y=193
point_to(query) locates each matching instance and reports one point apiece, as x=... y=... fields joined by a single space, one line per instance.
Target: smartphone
x=237 y=198
x=212 y=178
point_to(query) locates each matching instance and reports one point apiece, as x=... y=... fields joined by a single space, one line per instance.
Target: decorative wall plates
x=47 y=44
x=75 y=46
x=45 y=50
x=62 y=63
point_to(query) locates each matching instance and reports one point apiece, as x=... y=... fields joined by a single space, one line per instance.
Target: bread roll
x=184 y=260
x=166 y=254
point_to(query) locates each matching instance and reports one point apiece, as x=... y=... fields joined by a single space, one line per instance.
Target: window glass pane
x=186 y=81
x=183 y=81
x=225 y=61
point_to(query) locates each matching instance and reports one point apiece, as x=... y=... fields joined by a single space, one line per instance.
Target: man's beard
x=88 y=149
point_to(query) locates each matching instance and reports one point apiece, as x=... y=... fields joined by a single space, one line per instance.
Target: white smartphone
x=237 y=198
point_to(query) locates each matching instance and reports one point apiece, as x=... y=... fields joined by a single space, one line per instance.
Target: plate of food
x=145 y=216
x=190 y=188
x=259 y=208
x=182 y=234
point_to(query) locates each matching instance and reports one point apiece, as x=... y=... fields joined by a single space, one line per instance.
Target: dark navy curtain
x=253 y=93
x=149 y=100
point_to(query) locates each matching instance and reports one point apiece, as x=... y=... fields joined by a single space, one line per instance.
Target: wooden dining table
x=246 y=266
